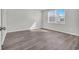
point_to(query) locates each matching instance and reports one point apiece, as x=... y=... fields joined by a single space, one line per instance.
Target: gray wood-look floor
x=40 y=39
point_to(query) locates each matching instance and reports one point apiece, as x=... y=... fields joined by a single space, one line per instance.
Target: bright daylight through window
x=56 y=16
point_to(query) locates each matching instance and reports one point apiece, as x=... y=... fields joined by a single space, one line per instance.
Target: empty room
x=39 y=29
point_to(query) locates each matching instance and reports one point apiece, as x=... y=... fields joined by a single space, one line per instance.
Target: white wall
x=72 y=22
x=22 y=19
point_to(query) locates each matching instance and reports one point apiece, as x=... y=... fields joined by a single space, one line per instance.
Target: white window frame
x=57 y=22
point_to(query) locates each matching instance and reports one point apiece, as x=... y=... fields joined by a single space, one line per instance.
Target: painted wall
x=22 y=19
x=71 y=25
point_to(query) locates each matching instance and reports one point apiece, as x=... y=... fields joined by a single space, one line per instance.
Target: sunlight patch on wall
x=33 y=26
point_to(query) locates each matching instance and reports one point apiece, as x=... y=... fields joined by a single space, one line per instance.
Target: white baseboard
x=15 y=29
x=25 y=28
x=63 y=31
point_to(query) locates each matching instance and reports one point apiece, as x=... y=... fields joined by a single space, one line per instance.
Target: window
x=56 y=16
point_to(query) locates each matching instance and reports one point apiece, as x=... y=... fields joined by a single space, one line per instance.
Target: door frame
x=0 y=30
x=3 y=24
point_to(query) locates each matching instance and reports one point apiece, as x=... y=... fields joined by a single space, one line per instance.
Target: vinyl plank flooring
x=40 y=39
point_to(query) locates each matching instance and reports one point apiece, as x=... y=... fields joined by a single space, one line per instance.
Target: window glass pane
x=51 y=16
x=56 y=16
x=60 y=13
